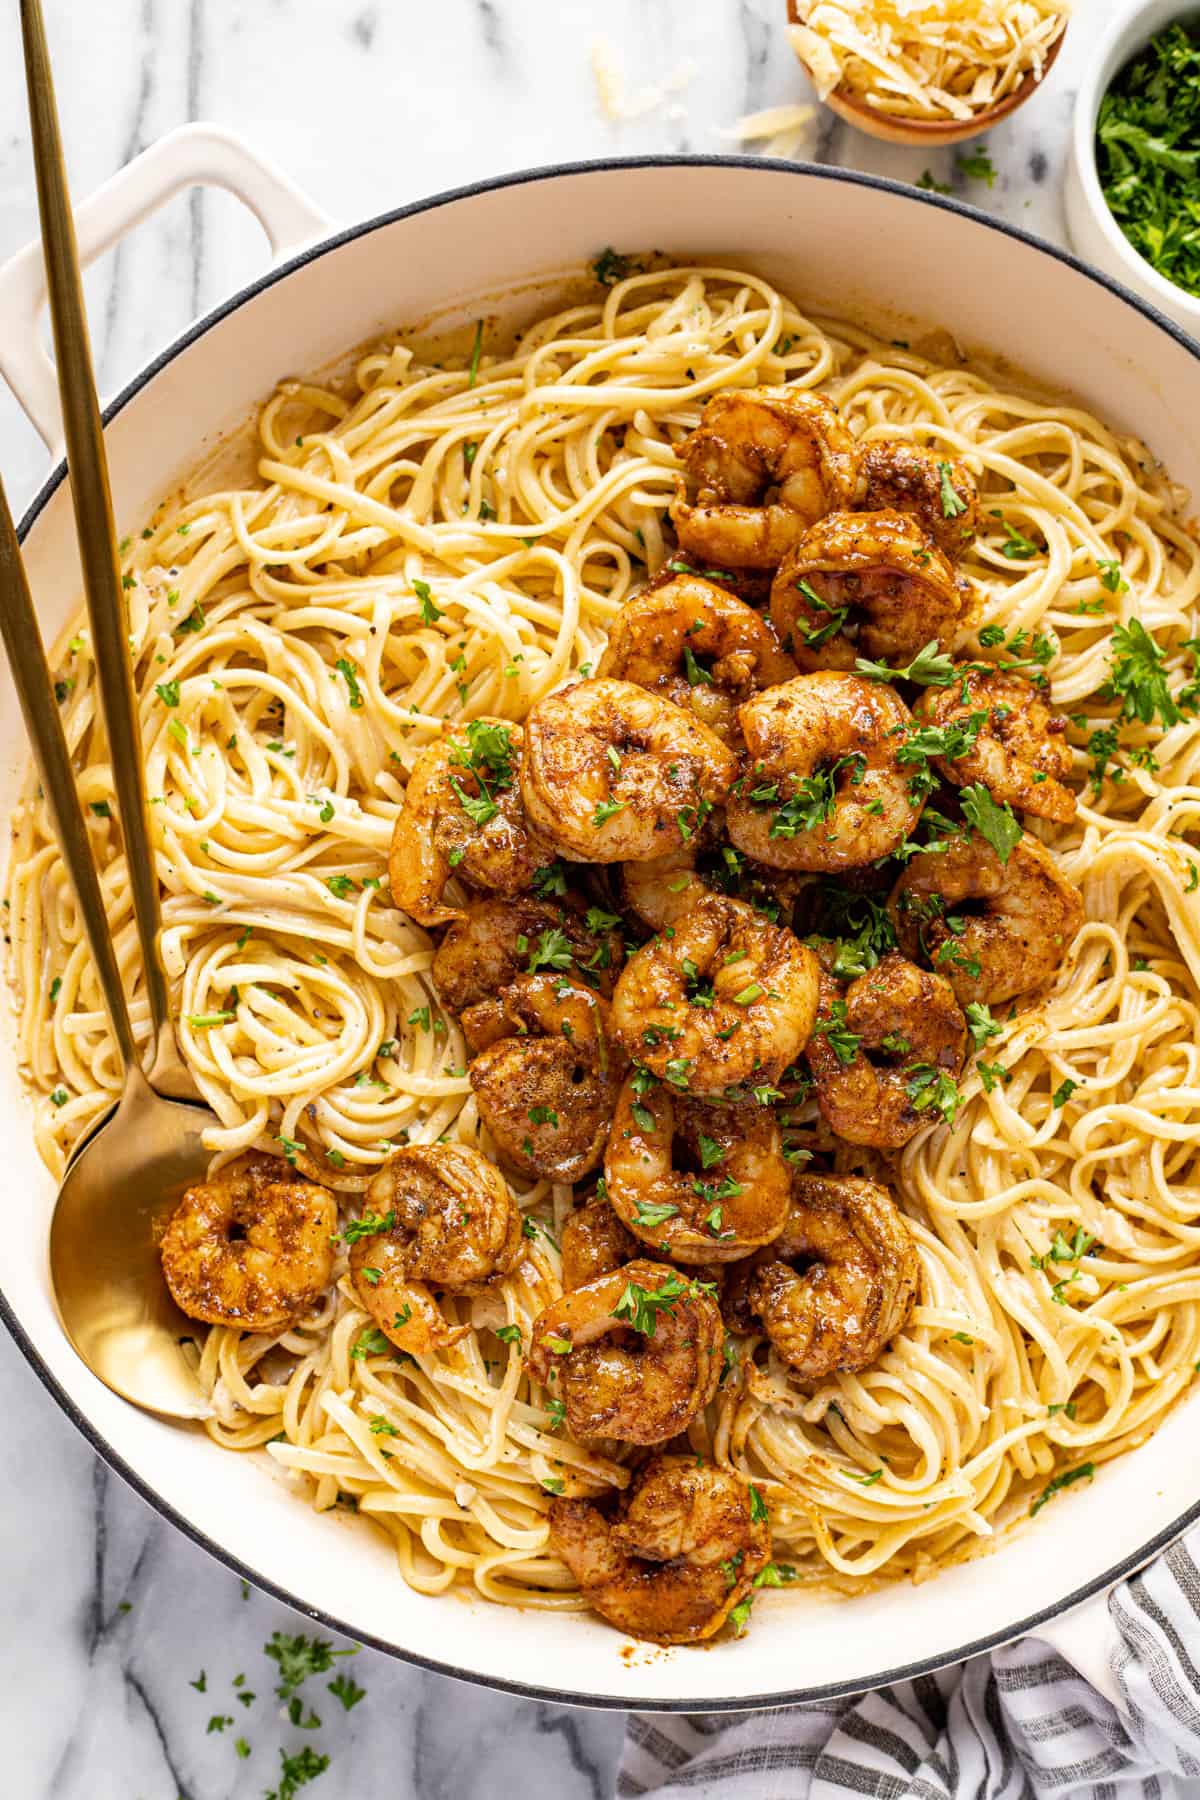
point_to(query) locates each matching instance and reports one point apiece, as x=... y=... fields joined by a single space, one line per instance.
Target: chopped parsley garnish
x=550 y=881
x=430 y=614
x=696 y=675
x=1084 y=1472
x=930 y=667
x=1137 y=677
x=1146 y=136
x=610 y=267
x=552 y=951
x=1062 y=1094
x=605 y=810
x=981 y=1024
x=976 y=165
x=298 y=1658
x=509 y=1334
x=997 y=823
x=812 y=799
x=168 y=692
x=475 y=349
x=370 y=1342
x=344 y=1688
x=841 y=1040
x=1016 y=547
x=652 y=1213
x=1111 y=576
x=639 y=1307
x=952 y=506
x=931 y=1089
x=349 y=674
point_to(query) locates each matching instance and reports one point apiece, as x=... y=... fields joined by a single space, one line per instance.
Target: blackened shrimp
x=763 y=464
x=594 y=1242
x=546 y=1075
x=612 y=773
x=698 y=645
x=632 y=1355
x=823 y=789
x=659 y=891
x=437 y=1218
x=462 y=814
x=935 y=489
x=866 y=584
x=840 y=1280
x=498 y=939
x=994 y=929
x=683 y=1551
x=251 y=1246
x=879 y=1049
x=720 y=998
x=1019 y=751
x=699 y=1183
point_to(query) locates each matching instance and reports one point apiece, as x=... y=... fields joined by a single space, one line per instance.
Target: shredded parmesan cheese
x=610 y=87
x=784 y=131
x=926 y=59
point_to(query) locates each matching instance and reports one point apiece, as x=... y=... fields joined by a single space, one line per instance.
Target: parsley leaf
x=998 y=824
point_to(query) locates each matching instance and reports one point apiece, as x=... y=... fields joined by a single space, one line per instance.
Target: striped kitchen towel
x=1020 y=1722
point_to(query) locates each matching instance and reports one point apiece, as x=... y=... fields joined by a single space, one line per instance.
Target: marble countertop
x=111 y=1615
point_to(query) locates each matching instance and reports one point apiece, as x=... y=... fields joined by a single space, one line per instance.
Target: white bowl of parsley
x=1133 y=177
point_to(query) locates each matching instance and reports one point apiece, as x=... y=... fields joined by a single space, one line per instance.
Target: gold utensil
x=125 y=1178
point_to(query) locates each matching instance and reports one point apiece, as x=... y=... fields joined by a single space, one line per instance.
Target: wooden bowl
x=932 y=134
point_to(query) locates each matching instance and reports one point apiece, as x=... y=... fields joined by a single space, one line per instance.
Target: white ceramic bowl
x=1094 y=232
x=845 y=245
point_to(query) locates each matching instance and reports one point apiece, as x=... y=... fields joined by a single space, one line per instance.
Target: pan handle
x=197 y=155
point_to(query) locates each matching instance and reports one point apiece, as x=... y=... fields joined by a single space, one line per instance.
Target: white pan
x=845 y=244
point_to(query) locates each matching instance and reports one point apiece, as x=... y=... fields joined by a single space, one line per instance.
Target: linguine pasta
x=433 y=542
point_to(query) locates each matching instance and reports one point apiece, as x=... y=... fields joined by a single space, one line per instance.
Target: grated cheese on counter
x=610 y=86
x=926 y=59
x=784 y=131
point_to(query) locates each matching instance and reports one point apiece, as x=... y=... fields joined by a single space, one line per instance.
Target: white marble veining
x=109 y=1613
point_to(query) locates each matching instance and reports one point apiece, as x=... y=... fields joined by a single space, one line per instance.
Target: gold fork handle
x=35 y=691
x=88 y=466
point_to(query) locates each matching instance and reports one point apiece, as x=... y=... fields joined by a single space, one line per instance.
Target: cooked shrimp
x=614 y=774
x=251 y=1246
x=594 y=1242
x=994 y=929
x=436 y=1216
x=1020 y=751
x=683 y=1552
x=496 y=940
x=659 y=891
x=865 y=584
x=823 y=790
x=633 y=1355
x=698 y=645
x=766 y=462
x=877 y=1049
x=547 y=1074
x=722 y=997
x=935 y=489
x=701 y=1184
x=462 y=811
x=857 y=1281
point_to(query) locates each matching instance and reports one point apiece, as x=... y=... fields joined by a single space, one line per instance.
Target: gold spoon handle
x=88 y=466
x=35 y=691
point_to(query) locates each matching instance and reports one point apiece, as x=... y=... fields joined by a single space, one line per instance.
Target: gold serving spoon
x=128 y=1173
